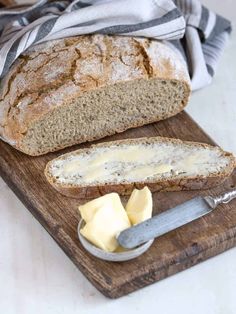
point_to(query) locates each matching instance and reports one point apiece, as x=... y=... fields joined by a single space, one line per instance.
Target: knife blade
x=171 y=219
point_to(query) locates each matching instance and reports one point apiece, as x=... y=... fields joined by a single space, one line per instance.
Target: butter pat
x=88 y=210
x=124 y=154
x=71 y=167
x=163 y=168
x=139 y=206
x=94 y=174
x=145 y=171
x=105 y=218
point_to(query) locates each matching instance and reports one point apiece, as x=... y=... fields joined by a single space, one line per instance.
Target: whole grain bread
x=179 y=166
x=83 y=88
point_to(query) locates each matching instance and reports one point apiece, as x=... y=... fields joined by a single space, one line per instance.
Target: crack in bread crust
x=146 y=59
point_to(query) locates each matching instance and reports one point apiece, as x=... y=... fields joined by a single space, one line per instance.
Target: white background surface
x=37 y=277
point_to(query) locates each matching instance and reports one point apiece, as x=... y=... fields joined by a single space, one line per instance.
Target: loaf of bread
x=79 y=89
x=162 y=164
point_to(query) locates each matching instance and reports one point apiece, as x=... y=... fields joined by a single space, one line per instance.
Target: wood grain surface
x=171 y=253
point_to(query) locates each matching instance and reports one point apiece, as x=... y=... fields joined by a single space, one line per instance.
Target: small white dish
x=112 y=257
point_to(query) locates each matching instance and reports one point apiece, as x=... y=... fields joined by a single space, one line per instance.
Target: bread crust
x=175 y=184
x=54 y=73
x=126 y=189
x=7 y=3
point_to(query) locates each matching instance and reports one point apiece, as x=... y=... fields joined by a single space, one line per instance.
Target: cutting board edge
x=24 y=200
x=127 y=287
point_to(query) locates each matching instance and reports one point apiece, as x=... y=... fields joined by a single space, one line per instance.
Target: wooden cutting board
x=169 y=254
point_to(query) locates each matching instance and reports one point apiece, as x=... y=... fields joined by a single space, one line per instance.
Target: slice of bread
x=162 y=164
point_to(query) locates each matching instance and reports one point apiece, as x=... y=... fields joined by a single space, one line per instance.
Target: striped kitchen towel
x=195 y=32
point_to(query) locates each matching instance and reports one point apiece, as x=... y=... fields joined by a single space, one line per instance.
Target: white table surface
x=37 y=277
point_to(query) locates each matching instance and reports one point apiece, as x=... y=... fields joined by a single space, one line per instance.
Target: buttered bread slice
x=162 y=164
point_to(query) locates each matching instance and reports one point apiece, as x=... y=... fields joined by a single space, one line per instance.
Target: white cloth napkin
x=187 y=26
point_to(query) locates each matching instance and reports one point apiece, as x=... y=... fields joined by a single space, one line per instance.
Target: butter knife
x=172 y=219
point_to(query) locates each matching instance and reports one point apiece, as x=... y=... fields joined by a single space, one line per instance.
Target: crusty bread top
x=164 y=158
x=54 y=73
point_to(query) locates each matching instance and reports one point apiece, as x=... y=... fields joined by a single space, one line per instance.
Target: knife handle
x=220 y=199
